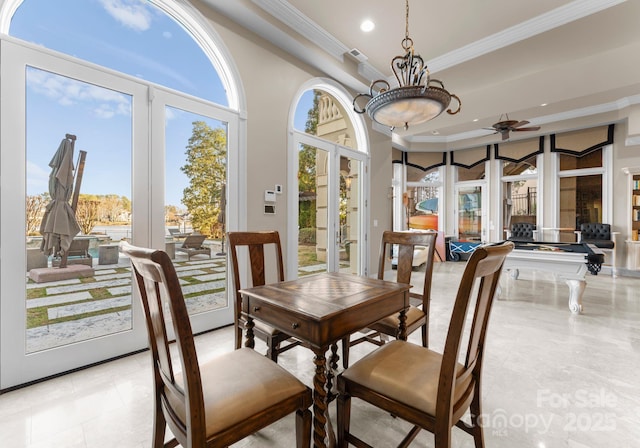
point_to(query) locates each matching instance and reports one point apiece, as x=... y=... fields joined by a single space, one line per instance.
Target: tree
x=34 y=208
x=307 y=168
x=87 y=214
x=206 y=169
x=111 y=207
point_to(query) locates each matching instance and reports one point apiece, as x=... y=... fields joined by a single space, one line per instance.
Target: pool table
x=568 y=261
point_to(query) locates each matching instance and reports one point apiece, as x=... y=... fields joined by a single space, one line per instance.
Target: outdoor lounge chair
x=192 y=245
x=176 y=233
x=78 y=253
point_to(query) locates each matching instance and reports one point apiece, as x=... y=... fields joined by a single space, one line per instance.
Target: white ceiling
x=581 y=58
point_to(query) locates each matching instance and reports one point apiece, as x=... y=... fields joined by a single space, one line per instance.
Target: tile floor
x=551 y=379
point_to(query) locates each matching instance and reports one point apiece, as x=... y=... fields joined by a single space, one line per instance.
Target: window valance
x=519 y=151
x=582 y=142
x=425 y=160
x=468 y=158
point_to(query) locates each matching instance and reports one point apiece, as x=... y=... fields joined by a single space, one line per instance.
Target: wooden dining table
x=320 y=310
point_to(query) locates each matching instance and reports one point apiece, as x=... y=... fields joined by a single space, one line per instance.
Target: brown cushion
x=413 y=315
x=238 y=385
x=404 y=372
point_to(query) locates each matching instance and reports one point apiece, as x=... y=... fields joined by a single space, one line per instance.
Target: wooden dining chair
x=217 y=403
x=257 y=243
x=431 y=390
x=403 y=247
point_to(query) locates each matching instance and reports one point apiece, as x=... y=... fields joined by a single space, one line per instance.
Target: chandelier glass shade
x=417 y=99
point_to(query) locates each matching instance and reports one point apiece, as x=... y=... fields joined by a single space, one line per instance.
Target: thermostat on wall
x=269 y=209
x=269 y=196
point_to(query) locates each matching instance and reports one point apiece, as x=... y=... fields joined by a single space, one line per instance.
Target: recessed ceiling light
x=367 y=25
x=475 y=119
x=543 y=104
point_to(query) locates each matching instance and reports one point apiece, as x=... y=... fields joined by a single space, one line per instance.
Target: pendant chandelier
x=417 y=98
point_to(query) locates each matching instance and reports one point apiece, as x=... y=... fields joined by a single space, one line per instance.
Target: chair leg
x=343 y=405
x=238 y=330
x=272 y=350
x=425 y=335
x=475 y=410
x=303 y=428
x=442 y=439
x=345 y=351
x=159 y=426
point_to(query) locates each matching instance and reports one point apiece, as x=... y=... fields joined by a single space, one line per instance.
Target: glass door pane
x=520 y=203
x=67 y=194
x=580 y=202
x=313 y=210
x=470 y=213
x=195 y=206
x=56 y=318
x=349 y=215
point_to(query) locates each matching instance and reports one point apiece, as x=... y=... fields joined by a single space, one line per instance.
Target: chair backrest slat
x=255 y=243
x=406 y=243
x=483 y=268
x=159 y=290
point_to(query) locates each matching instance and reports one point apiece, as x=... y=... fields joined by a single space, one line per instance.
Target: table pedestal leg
x=332 y=369
x=576 y=288
x=320 y=400
x=250 y=341
x=402 y=329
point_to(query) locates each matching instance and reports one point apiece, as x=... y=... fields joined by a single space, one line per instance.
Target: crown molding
x=537 y=25
x=303 y=25
x=283 y=11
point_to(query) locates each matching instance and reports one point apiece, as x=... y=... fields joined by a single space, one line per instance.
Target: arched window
x=148 y=90
x=330 y=148
x=132 y=37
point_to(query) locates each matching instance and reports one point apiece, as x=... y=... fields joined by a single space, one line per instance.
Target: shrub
x=307 y=236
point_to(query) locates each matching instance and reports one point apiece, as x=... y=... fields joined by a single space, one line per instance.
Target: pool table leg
x=576 y=288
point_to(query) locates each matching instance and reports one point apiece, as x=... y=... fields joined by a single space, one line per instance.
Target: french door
x=52 y=325
x=328 y=211
x=471 y=211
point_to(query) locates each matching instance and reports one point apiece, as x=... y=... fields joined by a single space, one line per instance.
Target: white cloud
x=37 y=178
x=105 y=103
x=133 y=14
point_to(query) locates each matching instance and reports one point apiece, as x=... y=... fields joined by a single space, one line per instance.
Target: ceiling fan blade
x=520 y=123
x=532 y=128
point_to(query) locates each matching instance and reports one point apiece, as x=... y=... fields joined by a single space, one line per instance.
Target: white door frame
x=147 y=198
x=334 y=151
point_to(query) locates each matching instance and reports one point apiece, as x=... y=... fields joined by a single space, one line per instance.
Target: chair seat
x=389 y=372
x=392 y=323
x=252 y=384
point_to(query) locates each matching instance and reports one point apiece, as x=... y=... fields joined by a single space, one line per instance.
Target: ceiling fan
x=504 y=127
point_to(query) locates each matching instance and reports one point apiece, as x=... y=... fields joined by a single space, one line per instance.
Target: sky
x=128 y=36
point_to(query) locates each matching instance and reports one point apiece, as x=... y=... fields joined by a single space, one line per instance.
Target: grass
x=307 y=255
x=38 y=316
